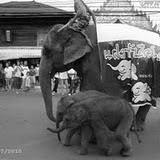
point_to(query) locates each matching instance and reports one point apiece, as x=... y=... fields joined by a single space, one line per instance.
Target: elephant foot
x=126 y=152
x=140 y=126
x=108 y=151
x=67 y=144
x=83 y=151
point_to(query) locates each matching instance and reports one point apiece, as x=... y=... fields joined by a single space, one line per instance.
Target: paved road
x=23 y=134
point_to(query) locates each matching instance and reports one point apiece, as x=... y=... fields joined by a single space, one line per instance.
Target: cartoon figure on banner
x=141 y=92
x=126 y=70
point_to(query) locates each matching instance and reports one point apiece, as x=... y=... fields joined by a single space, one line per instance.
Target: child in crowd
x=28 y=82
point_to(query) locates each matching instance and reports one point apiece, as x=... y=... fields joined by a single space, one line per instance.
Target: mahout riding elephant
x=65 y=48
x=110 y=118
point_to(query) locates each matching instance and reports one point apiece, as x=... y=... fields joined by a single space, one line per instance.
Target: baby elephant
x=109 y=117
x=65 y=102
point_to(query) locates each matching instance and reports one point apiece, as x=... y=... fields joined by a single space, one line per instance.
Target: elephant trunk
x=45 y=84
x=62 y=128
x=114 y=68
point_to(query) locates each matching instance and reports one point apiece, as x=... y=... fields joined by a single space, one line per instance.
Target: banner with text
x=130 y=62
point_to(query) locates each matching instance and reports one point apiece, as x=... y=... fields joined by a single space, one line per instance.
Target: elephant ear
x=75 y=48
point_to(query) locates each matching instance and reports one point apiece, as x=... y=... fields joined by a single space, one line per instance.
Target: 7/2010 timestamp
x=5 y=151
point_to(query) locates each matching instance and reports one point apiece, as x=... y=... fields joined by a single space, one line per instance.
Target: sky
x=152 y=8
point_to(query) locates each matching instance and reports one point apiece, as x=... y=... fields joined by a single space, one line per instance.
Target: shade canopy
x=116 y=32
x=7 y=53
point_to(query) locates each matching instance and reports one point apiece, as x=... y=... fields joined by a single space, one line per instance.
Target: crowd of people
x=19 y=76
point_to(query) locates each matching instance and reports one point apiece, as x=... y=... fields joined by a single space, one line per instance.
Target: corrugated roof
x=28 y=7
x=19 y=52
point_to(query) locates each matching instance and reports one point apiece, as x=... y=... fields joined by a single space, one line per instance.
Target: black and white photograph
x=79 y=79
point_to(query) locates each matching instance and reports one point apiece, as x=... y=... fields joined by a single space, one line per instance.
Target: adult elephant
x=69 y=49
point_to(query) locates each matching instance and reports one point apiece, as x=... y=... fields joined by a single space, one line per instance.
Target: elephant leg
x=69 y=135
x=122 y=134
x=141 y=117
x=102 y=133
x=86 y=133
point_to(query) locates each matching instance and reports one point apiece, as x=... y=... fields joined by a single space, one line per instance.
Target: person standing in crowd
x=73 y=81
x=2 y=77
x=8 y=76
x=13 y=85
x=18 y=71
x=64 y=82
x=27 y=82
x=56 y=82
x=32 y=76
x=25 y=69
x=37 y=74
x=21 y=63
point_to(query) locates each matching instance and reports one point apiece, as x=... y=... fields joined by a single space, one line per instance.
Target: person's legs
x=63 y=88
x=56 y=81
x=71 y=87
x=13 y=83
x=7 y=84
x=141 y=117
x=32 y=81
x=10 y=83
x=23 y=83
x=27 y=84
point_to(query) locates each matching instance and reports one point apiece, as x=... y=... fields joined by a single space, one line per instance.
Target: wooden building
x=23 y=26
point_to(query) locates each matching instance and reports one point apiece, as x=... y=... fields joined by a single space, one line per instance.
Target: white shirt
x=57 y=75
x=18 y=71
x=72 y=73
x=25 y=70
x=8 y=72
x=37 y=71
x=63 y=75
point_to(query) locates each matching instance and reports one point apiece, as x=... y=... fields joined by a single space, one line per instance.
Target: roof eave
x=36 y=15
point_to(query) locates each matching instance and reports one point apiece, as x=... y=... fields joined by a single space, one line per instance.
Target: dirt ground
x=23 y=134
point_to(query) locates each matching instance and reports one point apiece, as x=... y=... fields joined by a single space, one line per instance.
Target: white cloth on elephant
x=63 y=75
x=72 y=73
x=57 y=75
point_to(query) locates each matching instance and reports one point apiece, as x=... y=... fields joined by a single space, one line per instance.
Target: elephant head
x=67 y=101
x=74 y=118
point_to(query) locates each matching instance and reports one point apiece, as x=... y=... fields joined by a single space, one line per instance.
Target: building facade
x=23 y=27
x=122 y=11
